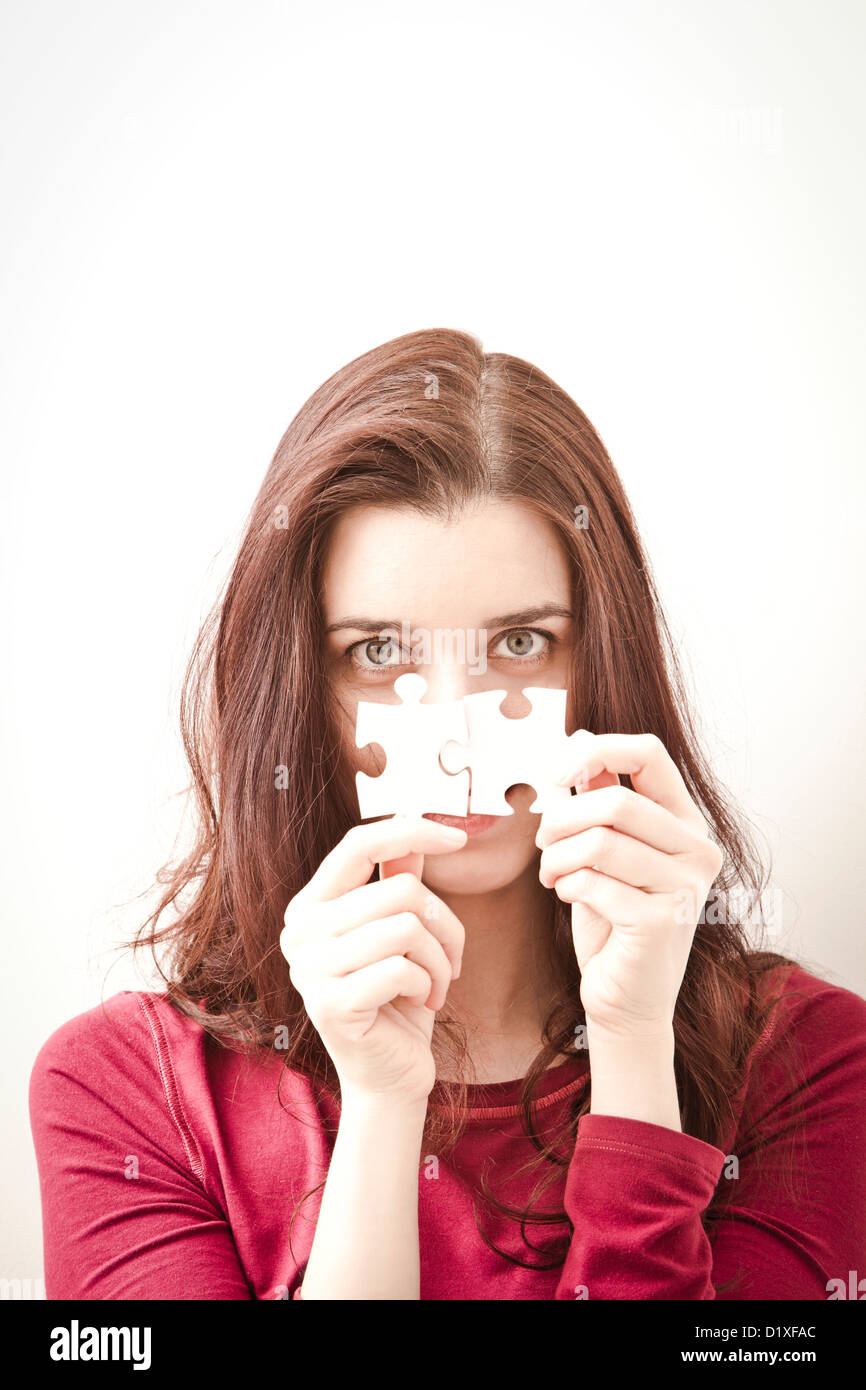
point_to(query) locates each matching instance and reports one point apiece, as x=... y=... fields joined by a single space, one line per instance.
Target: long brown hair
x=431 y=421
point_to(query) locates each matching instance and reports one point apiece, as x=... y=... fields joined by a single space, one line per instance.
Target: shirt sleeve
x=635 y=1193
x=126 y=1208
x=792 y=1210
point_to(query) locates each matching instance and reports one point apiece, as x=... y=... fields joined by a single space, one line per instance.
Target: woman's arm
x=793 y=1225
x=366 y=1241
x=372 y=962
x=637 y=864
x=634 y=1080
x=128 y=1208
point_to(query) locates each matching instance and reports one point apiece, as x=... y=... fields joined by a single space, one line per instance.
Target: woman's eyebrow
x=361 y=623
x=529 y=615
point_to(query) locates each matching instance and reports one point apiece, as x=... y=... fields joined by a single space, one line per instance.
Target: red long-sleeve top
x=170 y=1166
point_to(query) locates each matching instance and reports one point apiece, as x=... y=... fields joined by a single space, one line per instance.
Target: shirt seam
x=620 y=1146
x=498 y=1112
x=171 y=1088
x=769 y=1032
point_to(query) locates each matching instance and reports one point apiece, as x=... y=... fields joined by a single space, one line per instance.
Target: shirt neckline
x=501 y=1098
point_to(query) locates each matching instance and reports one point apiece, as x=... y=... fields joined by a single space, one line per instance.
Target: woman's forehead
x=492 y=558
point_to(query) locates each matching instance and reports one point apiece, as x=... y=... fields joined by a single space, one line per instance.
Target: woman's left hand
x=637 y=867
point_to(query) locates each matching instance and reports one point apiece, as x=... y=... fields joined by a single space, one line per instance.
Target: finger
x=406 y=864
x=589 y=932
x=372 y=901
x=642 y=757
x=401 y=935
x=351 y=862
x=617 y=902
x=378 y=984
x=622 y=809
x=614 y=854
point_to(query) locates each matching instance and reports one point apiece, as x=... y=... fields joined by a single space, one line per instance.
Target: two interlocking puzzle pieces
x=431 y=749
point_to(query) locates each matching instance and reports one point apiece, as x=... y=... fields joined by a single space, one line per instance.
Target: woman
x=513 y=1057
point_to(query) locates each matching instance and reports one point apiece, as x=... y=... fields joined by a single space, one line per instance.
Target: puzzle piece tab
x=502 y=752
x=430 y=751
x=411 y=734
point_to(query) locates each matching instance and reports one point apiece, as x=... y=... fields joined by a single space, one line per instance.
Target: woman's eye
x=376 y=653
x=522 y=644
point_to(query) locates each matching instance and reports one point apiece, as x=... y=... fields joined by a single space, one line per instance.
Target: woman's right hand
x=373 y=961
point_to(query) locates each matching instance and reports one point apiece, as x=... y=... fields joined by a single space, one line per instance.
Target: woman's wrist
x=366 y=1240
x=632 y=1077
x=402 y=1111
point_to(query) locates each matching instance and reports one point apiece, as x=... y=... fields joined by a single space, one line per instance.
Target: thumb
x=407 y=864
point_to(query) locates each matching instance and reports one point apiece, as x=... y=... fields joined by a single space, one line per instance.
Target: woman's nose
x=454 y=680
x=448 y=681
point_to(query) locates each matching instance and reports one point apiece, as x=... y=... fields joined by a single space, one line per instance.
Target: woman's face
x=486 y=602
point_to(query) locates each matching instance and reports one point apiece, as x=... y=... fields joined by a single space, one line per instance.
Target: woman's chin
x=477 y=868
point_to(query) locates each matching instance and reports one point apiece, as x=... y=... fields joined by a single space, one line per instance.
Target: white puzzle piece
x=411 y=734
x=460 y=736
x=502 y=752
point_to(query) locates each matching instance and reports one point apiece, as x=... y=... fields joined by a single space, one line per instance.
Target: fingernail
x=452 y=832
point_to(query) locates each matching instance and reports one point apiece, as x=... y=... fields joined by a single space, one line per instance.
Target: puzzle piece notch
x=502 y=752
x=430 y=750
x=412 y=735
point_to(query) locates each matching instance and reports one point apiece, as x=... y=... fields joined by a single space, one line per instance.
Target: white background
x=208 y=208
